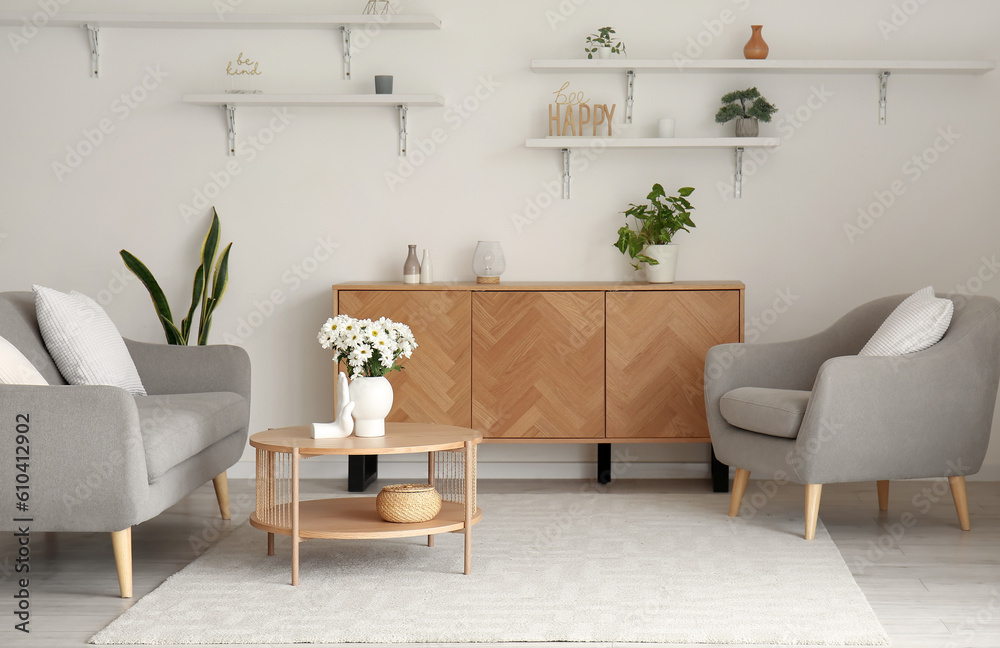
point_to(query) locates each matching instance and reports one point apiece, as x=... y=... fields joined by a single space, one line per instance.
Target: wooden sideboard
x=555 y=362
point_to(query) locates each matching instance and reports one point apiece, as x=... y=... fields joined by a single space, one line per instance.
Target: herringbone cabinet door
x=656 y=346
x=538 y=364
x=435 y=385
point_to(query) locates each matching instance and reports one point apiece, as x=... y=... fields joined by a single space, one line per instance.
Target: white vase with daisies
x=370 y=349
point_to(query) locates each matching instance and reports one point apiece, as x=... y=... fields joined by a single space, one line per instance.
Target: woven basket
x=408 y=503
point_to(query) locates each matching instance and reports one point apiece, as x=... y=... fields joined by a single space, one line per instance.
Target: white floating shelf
x=232 y=101
x=361 y=100
x=788 y=66
x=567 y=144
x=94 y=22
x=884 y=68
x=651 y=142
x=230 y=21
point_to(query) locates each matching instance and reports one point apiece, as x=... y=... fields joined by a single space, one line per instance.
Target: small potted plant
x=651 y=242
x=603 y=44
x=748 y=108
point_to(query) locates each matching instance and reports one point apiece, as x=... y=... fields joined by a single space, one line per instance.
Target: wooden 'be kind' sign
x=572 y=114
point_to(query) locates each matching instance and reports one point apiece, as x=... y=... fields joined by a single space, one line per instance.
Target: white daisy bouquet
x=369 y=348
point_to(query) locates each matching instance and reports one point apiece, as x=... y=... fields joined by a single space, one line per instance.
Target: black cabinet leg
x=604 y=463
x=720 y=475
x=362 y=470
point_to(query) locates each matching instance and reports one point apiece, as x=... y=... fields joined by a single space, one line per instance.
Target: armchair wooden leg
x=883 y=494
x=961 y=501
x=222 y=494
x=121 y=542
x=740 y=480
x=813 y=492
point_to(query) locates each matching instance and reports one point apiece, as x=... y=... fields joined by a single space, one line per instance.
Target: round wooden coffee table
x=451 y=468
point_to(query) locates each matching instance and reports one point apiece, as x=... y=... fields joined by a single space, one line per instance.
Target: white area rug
x=582 y=568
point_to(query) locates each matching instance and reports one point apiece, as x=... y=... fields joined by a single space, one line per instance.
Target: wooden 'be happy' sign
x=572 y=113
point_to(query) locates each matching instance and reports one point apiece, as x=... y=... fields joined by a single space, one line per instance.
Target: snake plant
x=203 y=293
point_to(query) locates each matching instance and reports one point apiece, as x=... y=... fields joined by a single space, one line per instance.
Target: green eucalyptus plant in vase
x=650 y=242
x=207 y=291
x=604 y=44
x=748 y=108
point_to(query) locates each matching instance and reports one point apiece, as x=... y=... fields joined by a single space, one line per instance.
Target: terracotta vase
x=756 y=48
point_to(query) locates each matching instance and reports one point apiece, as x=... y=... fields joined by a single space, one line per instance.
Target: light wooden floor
x=934 y=586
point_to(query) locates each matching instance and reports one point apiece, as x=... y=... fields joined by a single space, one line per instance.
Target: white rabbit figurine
x=344 y=425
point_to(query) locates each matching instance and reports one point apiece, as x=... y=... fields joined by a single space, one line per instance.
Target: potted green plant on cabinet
x=604 y=44
x=748 y=108
x=651 y=241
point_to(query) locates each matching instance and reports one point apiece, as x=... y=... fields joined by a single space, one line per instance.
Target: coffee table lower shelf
x=355 y=518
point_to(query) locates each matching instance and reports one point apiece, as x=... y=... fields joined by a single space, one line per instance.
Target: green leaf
x=160 y=304
x=197 y=291
x=220 y=281
x=208 y=250
x=685 y=192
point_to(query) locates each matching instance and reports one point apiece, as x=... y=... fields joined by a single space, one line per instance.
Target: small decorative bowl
x=408 y=503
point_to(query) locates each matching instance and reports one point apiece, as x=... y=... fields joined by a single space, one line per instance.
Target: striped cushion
x=916 y=324
x=15 y=369
x=83 y=341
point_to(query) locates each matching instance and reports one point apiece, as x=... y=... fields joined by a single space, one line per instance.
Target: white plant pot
x=372 y=398
x=664 y=271
x=604 y=52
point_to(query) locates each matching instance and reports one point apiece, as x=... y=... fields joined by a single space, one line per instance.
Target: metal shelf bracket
x=630 y=98
x=738 y=183
x=345 y=35
x=883 y=79
x=231 y=122
x=567 y=177
x=93 y=31
x=403 y=134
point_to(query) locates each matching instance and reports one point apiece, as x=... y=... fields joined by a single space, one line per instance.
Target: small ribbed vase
x=756 y=48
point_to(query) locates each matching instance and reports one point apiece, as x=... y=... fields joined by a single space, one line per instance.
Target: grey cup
x=383 y=84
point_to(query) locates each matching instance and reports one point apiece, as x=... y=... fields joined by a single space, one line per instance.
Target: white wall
x=323 y=177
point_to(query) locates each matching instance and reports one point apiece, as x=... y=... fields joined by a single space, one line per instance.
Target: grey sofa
x=103 y=460
x=813 y=412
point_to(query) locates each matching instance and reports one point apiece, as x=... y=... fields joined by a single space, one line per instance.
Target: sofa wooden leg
x=813 y=492
x=961 y=501
x=121 y=541
x=883 y=494
x=222 y=494
x=740 y=480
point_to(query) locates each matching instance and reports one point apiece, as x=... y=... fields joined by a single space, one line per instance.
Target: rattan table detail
x=451 y=468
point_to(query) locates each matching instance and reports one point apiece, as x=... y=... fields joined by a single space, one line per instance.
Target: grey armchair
x=814 y=412
x=103 y=460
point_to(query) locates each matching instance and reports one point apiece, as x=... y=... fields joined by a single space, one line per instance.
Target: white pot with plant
x=650 y=242
x=371 y=350
x=604 y=44
x=748 y=108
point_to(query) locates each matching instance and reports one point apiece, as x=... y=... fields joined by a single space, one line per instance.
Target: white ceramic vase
x=604 y=52
x=372 y=398
x=664 y=271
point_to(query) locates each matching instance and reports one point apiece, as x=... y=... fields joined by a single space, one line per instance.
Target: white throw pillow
x=83 y=341
x=916 y=324
x=15 y=369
